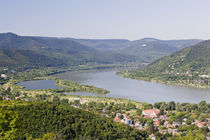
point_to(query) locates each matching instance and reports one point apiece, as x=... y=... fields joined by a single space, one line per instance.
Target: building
x=152 y=113
x=117 y=119
x=4 y=76
x=201 y=124
x=156 y=123
x=6 y=98
x=138 y=124
x=126 y=119
x=176 y=124
x=163 y=117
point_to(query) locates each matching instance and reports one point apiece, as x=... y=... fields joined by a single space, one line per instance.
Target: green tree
x=8 y=125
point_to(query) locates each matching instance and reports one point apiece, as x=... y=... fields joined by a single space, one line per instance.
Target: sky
x=103 y=19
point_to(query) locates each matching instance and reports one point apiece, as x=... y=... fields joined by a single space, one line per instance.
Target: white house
x=3 y=75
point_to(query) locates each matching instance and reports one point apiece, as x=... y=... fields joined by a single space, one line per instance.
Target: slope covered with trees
x=18 y=58
x=190 y=66
x=27 y=50
x=22 y=120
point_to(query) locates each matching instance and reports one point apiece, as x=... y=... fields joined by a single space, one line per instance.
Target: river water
x=137 y=90
x=120 y=87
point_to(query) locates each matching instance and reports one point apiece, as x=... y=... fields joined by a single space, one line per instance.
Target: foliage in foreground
x=24 y=120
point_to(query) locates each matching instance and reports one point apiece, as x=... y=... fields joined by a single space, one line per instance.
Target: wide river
x=137 y=90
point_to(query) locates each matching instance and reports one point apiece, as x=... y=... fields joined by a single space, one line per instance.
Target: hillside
x=53 y=50
x=25 y=120
x=190 y=66
x=18 y=58
x=148 y=49
x=151 y=49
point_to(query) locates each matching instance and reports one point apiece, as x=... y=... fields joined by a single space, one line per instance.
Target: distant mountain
x=190 y=66
x=151 y=49
x=26 y=58
x=148 y=49
x=107 y=45
x=65 y=51
x=69 y=51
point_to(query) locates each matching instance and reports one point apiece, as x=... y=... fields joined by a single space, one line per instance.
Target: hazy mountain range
x=148 y=49
x=52 y=51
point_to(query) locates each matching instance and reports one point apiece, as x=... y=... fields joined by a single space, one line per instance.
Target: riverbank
x=157 y=79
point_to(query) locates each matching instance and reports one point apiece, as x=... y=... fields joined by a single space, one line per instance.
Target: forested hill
x=189 y=66
x=24 y=120
x=24 y=49
x=148 y=49
x=195 y=59
x=26 y=58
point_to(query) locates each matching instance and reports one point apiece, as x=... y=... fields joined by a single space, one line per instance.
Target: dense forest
x=26 y=120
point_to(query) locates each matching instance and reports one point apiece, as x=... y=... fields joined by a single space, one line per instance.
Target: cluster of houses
x=163 y=128
x=8 y=99
x=124 y=118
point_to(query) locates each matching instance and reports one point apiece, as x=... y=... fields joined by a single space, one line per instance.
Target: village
x=152 y=120
x=161 y=123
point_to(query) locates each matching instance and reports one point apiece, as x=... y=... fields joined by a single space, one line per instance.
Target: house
x=208 y=120
x=152 y=113
x=126 y=119
x=205 y=76
x=6 y=98
x=17 y=98
x=176 y=124
x=163 y=117
x=162 y=131
x=156 y=123
x=173 y=131
x=196 y=122
x=167 y=124
x=201 y=124
x=104 y=110
x=118 y=114
x=152 y=137
x=4 y=76
x=117 y=119
x=138 y=124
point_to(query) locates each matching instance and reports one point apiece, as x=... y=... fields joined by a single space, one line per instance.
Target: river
x=137 y=90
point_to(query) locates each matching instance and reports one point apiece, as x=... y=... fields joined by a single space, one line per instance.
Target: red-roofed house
x=152 y=113
x=201 y=124
x=117 y=119
x=156 y=123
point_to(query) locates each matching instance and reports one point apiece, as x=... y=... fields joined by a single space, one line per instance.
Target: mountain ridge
x=69 y=52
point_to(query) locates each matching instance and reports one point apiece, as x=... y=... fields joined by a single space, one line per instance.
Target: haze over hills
x=53 y=50
x=148 y=49
x=189 y=66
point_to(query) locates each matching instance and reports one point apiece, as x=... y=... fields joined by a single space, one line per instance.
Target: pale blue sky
x=128 y=19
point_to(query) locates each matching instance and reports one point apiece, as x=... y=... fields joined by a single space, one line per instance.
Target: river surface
x=39 y=84
x=137 y=90
x=120 y=87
